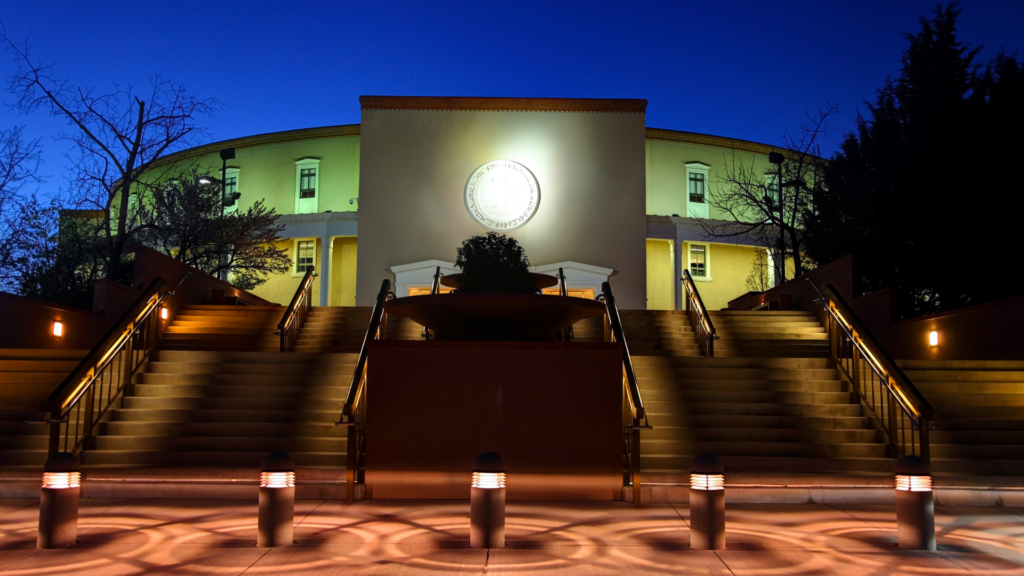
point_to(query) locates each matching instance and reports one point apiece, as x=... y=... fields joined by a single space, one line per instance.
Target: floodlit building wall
x=589 y=166
x=343 y=272
x=660 y=270
x=729 y=265
x=280 y=288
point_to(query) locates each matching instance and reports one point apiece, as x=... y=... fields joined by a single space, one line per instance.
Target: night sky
x=746 y=70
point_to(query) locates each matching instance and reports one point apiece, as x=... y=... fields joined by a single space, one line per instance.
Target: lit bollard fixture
x=277 y=501
x=707 y=503
x=487 y=502
x=915 y=504
x=58 y=502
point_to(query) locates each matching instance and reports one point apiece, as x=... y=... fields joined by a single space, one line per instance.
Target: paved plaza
x=148 y=536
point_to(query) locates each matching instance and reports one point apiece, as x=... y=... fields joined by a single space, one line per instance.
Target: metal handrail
x=297 y=312
x=435 y=288
x=633 y=406
x=699 y=317
x=353 y=413
x=566 y=333
x=898 y=407
x=89 y=391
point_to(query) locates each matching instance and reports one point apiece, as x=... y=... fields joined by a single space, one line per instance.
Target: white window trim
x=699 y=210
x=307 y=163
x=295 y=256
x=707 y=261
x=234 y=171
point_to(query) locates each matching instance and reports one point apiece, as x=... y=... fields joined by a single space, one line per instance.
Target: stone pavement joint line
x=153 y=536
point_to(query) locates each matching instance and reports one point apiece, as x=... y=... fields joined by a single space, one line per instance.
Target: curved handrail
x=300 y=305
x=131 y=334
x=627 y=363
x=704 y=327
x=864 y=347
x=354 y=408
x=354 y=389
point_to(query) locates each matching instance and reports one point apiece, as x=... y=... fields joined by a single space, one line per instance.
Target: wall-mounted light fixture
x=933 y=338
x=277 y=501
x=57 y=329
x=915 y=504
x=163 y=313
x=58 y=501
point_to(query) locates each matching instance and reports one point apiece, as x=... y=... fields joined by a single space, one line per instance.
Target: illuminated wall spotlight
x=277 y=501
x=163 y=313
x=915 y=504
x=487 y=502
x=57 y=329
x=58 y=501
x=933 y=338
x=707 y=503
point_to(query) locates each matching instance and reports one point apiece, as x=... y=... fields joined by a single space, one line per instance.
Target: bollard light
x=487 y=502
x=58 y=502
x=915 y=504
x=277 y=501
x=707 y=503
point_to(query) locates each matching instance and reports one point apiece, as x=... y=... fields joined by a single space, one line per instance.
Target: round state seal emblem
x=502 y=195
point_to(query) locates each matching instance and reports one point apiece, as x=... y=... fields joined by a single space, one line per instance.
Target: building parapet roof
x=502 y=104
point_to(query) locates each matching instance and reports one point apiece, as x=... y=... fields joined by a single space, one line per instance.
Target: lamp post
x=707 y=503
x=58 y=502
x=915 y=504
x=487 y=502
x=777 y=158
x=277 y=501
x=225 y=155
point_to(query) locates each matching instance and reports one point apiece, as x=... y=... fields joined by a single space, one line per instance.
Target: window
x=231 y=193
x=771 y=186
x=305 y=254
x=307 y=185
x=698 y=261
x=697 y=187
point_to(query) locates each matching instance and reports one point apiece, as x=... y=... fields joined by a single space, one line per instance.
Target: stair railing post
x=351 y=463
x=635 y=460
x=855 y=373
x=90 y=397
x=893 y=432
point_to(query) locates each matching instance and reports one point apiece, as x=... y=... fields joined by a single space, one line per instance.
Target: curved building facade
x=582 y=184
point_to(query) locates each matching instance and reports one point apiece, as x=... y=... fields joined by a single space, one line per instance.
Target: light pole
x=777 y=158
x=225 y=155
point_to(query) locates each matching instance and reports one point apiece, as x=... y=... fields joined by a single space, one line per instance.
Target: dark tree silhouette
x=925 y=189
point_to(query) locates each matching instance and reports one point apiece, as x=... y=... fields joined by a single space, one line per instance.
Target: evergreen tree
x=923 y=191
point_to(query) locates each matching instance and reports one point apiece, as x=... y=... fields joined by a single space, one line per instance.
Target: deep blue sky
x=745 y=69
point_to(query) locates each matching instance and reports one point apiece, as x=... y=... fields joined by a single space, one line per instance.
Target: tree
x=25 y=223
x=494 y=263
x=924 y=189
x=184 y=218
x=117 y=135
x=759 y=278
x=757 y=206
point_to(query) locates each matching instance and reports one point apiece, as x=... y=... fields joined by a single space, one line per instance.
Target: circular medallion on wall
x=502 y=195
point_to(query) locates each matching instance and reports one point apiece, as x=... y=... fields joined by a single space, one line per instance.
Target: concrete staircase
x=224 y=328
x=27 y=377
x=194 y=409
x=775 y=334
x=765 y=404
x=980 y=415
x=778 y=415
x=658 y=333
